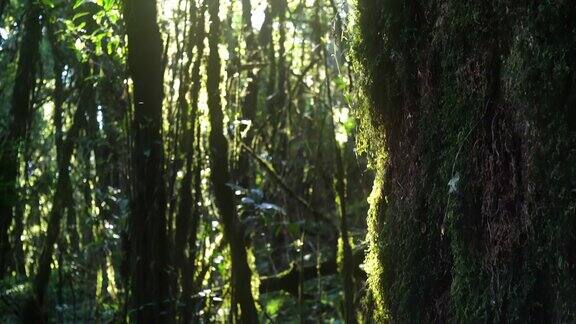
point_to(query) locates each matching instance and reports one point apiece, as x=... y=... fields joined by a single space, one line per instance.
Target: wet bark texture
x=470 y=115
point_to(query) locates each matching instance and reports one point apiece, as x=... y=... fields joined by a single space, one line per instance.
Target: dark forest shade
x=20 y=118
x=471 y=117
x=35 y=308
x=147 y=239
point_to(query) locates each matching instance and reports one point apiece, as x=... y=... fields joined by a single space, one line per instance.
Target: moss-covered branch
x=288 y=280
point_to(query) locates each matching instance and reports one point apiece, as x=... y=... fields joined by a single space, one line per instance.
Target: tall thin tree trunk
x=89 y=223
x=20 y=117
x=241 y=273
x=35 y=311
x=347 y=262
x=187 y=220
x=250 y=102
x=17 y=245
x=277 y=103
x=148 y=238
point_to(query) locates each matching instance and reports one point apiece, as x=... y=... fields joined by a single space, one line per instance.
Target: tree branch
x=288 y=280
x=270 y=170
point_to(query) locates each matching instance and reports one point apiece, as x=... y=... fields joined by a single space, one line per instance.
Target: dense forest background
x=189 y=160
x=296 y=161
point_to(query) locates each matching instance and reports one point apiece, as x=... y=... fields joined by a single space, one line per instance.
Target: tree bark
x=35 y=311
x=471 y=123
x=150 y=299
x=233 y=231
x=346 y=266
x=187 y=219
x=250 y=102
x=20 y=118
x=289 y=279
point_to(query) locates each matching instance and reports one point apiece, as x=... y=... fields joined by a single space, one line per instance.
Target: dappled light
x=287 y=161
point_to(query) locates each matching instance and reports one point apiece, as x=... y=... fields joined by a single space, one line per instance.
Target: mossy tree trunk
x=148 y=239
x=470 y=113
x=188 y=217
x=220 y=176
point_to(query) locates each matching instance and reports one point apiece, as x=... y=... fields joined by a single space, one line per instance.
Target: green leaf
x=293 y=229
x=80 y=15
x=77 y=4
x=48 y=3
x=274 y=305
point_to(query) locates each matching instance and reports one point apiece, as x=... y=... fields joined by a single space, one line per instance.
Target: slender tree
x=187 y=219
x=147 y=235
x=241 y=273
x=35 y=308
x=250 y=101
x=20 y=117
x=347 y=262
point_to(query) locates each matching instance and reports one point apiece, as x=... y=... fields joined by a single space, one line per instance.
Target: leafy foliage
x=285 y=87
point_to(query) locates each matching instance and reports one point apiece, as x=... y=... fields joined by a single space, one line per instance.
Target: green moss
x=482 y=96
x=374 y=262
